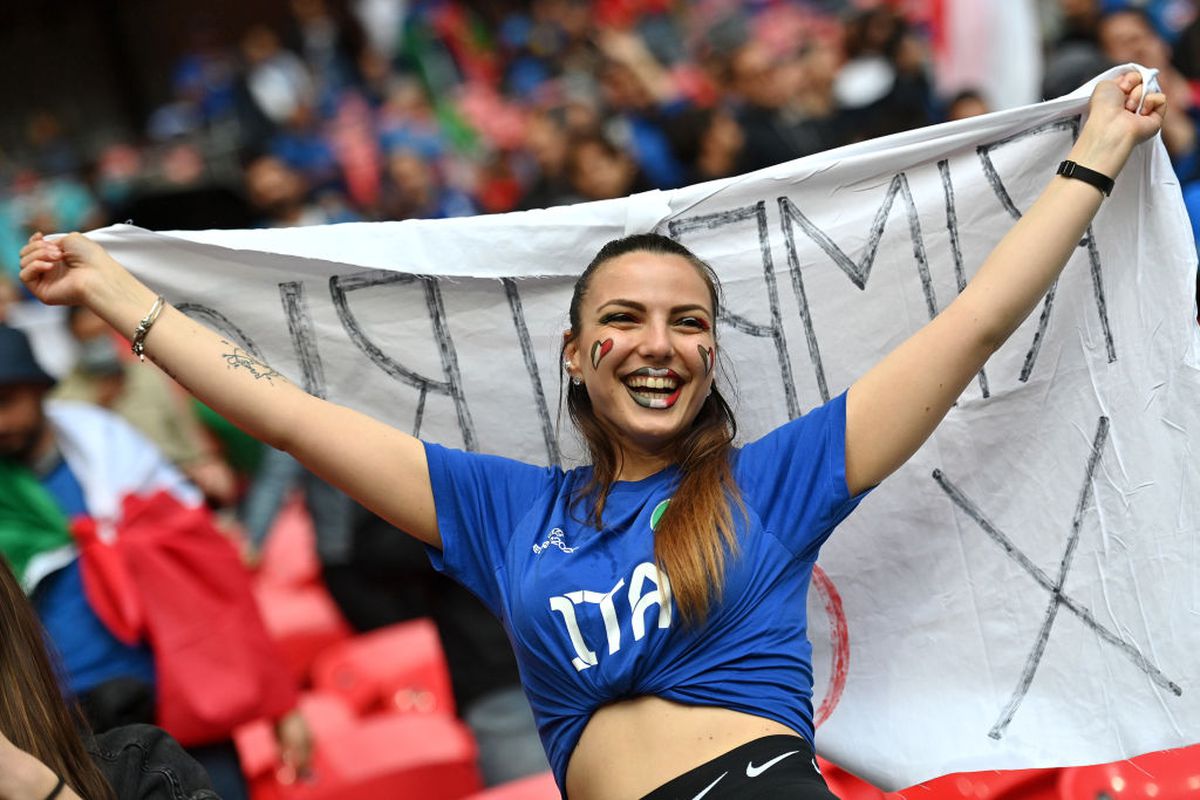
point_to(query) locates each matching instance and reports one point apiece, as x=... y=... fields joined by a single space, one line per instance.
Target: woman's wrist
x=1104 y=151
x=119 y=297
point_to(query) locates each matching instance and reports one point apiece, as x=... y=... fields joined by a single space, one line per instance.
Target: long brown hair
x=33 y=714
x=695 y=533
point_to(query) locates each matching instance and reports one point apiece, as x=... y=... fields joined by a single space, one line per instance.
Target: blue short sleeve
x=794 y=478
x=479 y=501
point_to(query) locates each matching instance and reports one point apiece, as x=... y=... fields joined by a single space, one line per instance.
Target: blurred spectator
x=280 y=196
x=148 y=400
x=546 y=147
x=1078 y=21
x=1071 y=66
x=883 y=85
x=413 y=188
x=67 y=467
x=774 y=130
x=711 y=141
x=42 y=202
x=1128 y=35
x=274 y=85
x=178 y=192
x=967 y=103
x=599 y=170
x=330 y=41
x=202 y=86
x=642 y=103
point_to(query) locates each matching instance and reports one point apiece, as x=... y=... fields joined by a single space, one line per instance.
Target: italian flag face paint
x=600 y=350
x=706 y=357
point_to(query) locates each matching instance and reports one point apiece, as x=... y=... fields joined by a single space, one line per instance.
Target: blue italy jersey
x=589 y=616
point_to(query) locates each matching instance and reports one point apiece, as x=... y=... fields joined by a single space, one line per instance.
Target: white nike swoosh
x=753 y=771
x=708 y=788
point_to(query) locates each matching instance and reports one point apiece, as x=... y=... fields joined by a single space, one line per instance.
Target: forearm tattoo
x=237 y=358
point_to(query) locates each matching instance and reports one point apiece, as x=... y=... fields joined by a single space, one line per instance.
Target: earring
x=576 y=380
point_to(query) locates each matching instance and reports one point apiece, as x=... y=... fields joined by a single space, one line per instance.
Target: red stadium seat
x=400 y=667
x=289 y=556
x=302 y=620
x=1165 y=775
x=327 y=715
x=426 y=756
x=535 y=787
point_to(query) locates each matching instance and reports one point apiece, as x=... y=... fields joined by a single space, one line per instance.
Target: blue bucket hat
x=17 y=364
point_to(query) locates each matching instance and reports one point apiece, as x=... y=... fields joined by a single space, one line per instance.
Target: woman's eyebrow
x=623 y=303
x=636 y=306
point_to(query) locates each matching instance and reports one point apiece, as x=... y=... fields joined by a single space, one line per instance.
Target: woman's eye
x=616 y=317
x=694 y=322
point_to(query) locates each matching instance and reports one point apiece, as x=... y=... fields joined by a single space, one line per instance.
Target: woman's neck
x=634 y=465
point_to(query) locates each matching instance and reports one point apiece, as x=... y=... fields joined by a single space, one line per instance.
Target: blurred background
x=240 y=113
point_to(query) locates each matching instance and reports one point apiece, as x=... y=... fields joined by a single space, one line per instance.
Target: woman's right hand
x=64 y=271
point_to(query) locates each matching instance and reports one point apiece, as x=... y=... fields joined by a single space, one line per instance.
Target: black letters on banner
x=304 y=340
x=757 y=212
x=340 y=287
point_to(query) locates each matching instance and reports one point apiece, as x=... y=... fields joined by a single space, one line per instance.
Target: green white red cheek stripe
x=600 y=350
x=706 y=357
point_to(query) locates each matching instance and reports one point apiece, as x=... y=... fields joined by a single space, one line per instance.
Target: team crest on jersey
x=556 y=539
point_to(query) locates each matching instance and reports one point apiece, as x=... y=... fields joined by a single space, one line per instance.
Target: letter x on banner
x=1022 y=593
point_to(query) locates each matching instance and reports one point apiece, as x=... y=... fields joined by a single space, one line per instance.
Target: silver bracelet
x=139 y=333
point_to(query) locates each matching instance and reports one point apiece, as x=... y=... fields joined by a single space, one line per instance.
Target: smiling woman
x=655 y=598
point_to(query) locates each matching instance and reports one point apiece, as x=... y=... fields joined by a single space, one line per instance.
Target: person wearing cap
x=62 y=461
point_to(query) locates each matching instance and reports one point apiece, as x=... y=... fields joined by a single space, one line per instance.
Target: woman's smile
x=654 y=388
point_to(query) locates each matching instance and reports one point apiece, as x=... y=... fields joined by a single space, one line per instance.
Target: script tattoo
x=238 y=358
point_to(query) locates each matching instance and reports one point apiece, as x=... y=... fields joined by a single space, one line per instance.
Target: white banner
x=1022 y=593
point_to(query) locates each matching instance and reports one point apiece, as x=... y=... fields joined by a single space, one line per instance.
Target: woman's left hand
x=23 y=777
x=1115 y=124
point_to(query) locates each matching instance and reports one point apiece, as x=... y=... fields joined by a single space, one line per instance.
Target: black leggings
x=770 y=768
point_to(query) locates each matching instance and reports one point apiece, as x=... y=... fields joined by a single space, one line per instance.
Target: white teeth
x=647 y=382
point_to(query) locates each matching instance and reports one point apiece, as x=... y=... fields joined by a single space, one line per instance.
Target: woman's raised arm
x=892 y=410
x=381 y=467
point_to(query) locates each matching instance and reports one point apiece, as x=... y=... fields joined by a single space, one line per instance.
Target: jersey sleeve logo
x=556 y=539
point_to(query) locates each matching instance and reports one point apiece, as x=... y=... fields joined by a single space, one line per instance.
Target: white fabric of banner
x=1022 y=593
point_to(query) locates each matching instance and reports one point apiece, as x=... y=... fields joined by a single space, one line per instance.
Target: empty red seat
x=535 y=787
x=289 y=555
x=426 y=756
x=327 y=715
x=302 y=620
x=400 y=667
